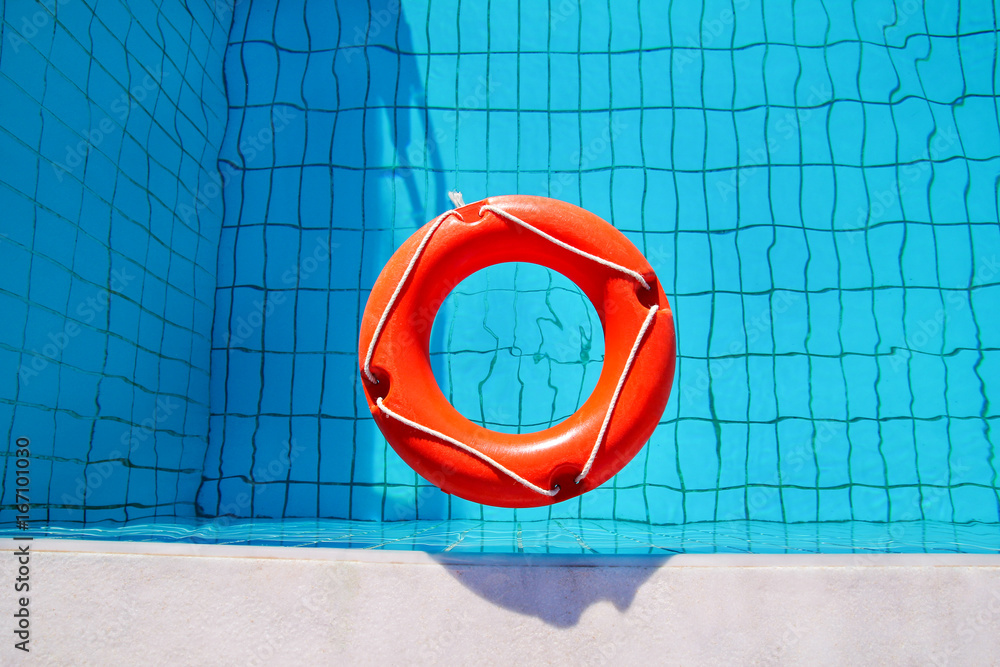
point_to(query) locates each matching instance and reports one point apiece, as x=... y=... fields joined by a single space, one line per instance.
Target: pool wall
x=817 y=191
x=112 y=118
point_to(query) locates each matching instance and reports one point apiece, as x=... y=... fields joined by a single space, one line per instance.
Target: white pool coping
x=118 y=603
x=515 y=560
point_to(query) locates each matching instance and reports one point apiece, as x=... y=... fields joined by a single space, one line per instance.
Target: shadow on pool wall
x=333 y=164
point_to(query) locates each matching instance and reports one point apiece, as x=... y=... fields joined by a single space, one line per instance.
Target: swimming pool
x=199 y=200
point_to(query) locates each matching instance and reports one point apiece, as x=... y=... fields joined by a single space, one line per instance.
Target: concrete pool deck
x=112 y=603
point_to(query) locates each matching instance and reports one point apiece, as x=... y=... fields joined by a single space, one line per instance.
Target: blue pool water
x=200 y=196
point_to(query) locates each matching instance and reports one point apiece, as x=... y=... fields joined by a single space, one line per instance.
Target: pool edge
x=42 y=545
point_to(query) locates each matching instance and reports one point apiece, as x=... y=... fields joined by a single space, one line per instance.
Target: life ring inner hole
x=517 y=347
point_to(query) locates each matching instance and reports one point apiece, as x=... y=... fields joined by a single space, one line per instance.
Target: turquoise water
x=199 y=198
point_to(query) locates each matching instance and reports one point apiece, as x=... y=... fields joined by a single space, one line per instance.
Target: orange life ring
x=528 y=469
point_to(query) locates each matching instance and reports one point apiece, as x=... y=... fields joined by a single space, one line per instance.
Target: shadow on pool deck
x=556 y=589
